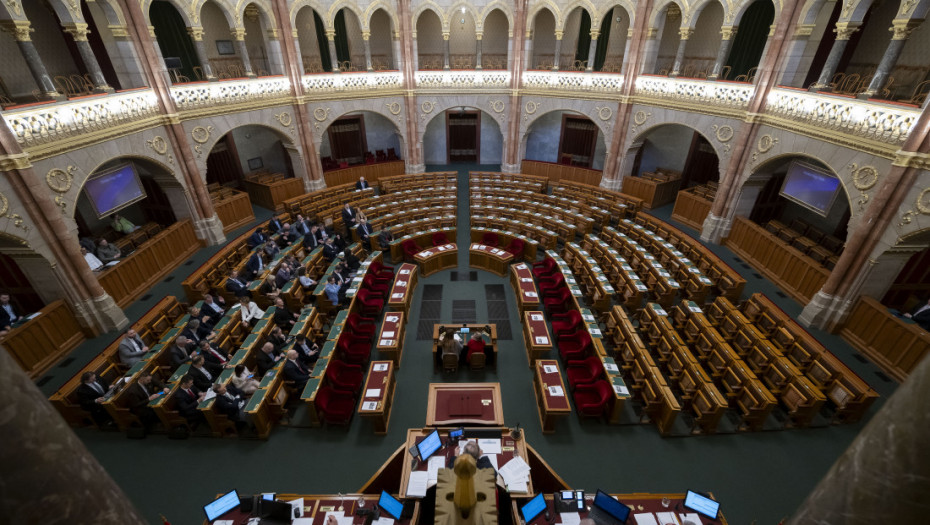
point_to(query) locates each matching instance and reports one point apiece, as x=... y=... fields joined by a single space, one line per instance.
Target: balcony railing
x=229 y=92
x=695 y=91
x=880 y=122
x=463 y=79
x=573 y=81
x=49 y=123
x=342 y=82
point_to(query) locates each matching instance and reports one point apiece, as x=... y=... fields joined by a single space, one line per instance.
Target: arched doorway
x=463 y=134
x=612 y=41
x=579 y=140
x=174 y=42
x=674 y=148
x=363 y=137
x=311 y=39
x=429 y=43
x=910 y=260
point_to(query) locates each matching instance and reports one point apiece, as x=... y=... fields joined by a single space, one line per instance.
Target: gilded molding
x=77 y=31
x=16 y=218
x=804 y=29
x=20 y=29
x=864 y=178
x=196 y=33
x=119 y=31
x=912 y=159
x=60 y=181
x=844 y=30
x=14 y=7
x=16 y=161
x=159 y=145
x=201 y=134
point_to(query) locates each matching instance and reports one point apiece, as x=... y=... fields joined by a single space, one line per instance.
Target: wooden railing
x=135 y=274
x=371 y=172
x=272 y=194
x=561 y=172
x=795 y=273
x=233 y=208
x=42 y=341
x=896 y=345
x=653 y=193
x=691 y=209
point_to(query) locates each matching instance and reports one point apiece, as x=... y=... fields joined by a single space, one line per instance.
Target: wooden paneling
x=560 y=172
x=892 y=343
x=135 y=274
x=371 y=172
x=41 y=342
x=653 y=193
x=233 y=208
x=795 y=273
x=691 y=209
x=271 y=195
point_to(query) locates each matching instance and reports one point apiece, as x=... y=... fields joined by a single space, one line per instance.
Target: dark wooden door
x=463 y=132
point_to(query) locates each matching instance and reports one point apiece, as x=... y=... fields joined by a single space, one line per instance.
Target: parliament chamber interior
x=318 y=262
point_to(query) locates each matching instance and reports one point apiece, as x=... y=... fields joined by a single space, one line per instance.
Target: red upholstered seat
x=516 y=248
x=361 y=326
x=585 y=371
x=545 y=268
x=551 y=286
x=410 y=248
x=439 y=238
x=371 y=304
x=380 y=271
x=355 y=351
x=575 y=345
x=345 y=376
x=382 y=288
x=558 y=303
x=490 y=239
x=565 y=323
x=335 y=406
x=593 y=399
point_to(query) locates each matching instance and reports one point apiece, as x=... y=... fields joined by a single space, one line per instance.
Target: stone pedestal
x=611 y=184
x=715 y=228
x=511 y=168
x=414 y=168
x=315 y=185
x=825 y=311
x=101 y=312
x=210 y=231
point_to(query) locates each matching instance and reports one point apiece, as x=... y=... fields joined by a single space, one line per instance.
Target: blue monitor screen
x=702 y=504
x=114 y=189
x=222 y=505
x=611 y=506
x=810 y=187
x=429 y=445
x=533 y=508
x=390 y=505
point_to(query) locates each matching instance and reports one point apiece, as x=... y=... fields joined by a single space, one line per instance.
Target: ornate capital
x=446 y=35
x=844 y=30
x=238 y=33
x=902 y=29
x=728 y=32
x=294 y=33
x=479 y=35
x=273 y=33
x=651 y=32
x=772 y=30
x=595 y=34
x=152 y=31
x=685 y=32
x=330 y=35
x=558 y=35
x=119 y=31
x=629 y=33
x=366 y=35
x=20 y=29
x=77 y=31
x=804 y=29
x=196 y=33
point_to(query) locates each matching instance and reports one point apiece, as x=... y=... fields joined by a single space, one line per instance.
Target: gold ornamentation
x=19 y=28
x=804 y=29
x=765 y=144
x=902 y=29
x=531 y=107
x=907 y=217
x=727 y=32
x=923 y=201
x=685 y=32
x=4 y=205
x=724 y=133
x=119 y=31
x=844 y=30
x=284 y=118
x=427 y=106
x=907 y=7
x=15 y=217
x=238 y=33
x=321 y=114
x=14 y=7
x=77 y=31
x=159 y=144
x=196 y=33
x=497 y=106
x=604 y=113
x=201 y=135
x=394 y=108
x=865 y=177
x=60 y=180
x=641 y=117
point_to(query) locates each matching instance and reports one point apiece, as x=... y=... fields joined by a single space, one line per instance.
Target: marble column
x=902 y=30
x=415 y=53
x=20 y=30
x=883 y=476
x=126 y=63
x=196 y=34
x=556 y=55
x=298 y=56
x=685 y=33
x=528 y=51
x=79 y=33
x=396 y=47
x=625 y=64
x=843 y=31
x=333 y=58
x=650 y=52
x=46 y=458
x=445 y=50
x=727 y=34
x=365 y=40
x=592 y=51
x=276 y=53
x=478 y=46
x=238 y=34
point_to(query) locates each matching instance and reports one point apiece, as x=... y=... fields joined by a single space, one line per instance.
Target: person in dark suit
x=384 y=239
x=237 y=286
x=216 y=359
x=921 y=315
x=212 y=309
x=364 y=231
x=90 y=396
x=187 y=398
x=267 y=358
x=362 y=184
x=471 y=448
x=307 y=352
x=229 y=402
x=301 y=226
x=203 y=379
x=254 y=265
x=311 y=241
x=287 y=237
x=329 y=250
x=271 y=249
x=295 y=371
x=8 y=314
x=194 y=332
x=278 y=339
x=139 y=394
x=179 y=354
x=131 y=348
x=258 y=238
x=274 y=225
x=283 y=317
x=349 y=216
x=283 y=275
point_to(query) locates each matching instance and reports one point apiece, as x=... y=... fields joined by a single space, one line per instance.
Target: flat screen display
x=391 y=505
x=114 y=189
x=611 y=506
x=222 y=505
x=810 y=187
x=429 y=445
x=702 y=504
x=533 y=508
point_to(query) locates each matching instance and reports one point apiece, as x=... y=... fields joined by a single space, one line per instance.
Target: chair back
x=450 y=363
x=477 y=360
x=439 y=238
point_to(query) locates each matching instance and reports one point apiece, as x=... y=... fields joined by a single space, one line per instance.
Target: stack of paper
x=432 y=468
x=490 y=446
x=417 y=484
x=516 y=474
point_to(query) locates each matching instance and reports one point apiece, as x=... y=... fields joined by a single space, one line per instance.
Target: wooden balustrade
x=161 y=255
x=893 y=343
x=233 y=208
x=40 y=342
x=372 y=173
x=561 y=172
x=271 y=194
x=691 y=208
x=653 y=193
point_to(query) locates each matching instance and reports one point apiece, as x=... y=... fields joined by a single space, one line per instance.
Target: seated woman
x=250 y=311
x=277 y=338
x=449 y=343
x=269 y=288
x=244 y=380
x=305 y=282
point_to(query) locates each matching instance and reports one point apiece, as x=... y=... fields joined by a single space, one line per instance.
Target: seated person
x=311 y=240
x=249 y=311
x=195 y=332
x=179 y=353
x=8 y=314
x=274 y=225
x=471 y=448
x=91 y=394
x=384 y=239
x=203 y=379
x=211 y=310
x=361 y=184
x=277 y=338
x=122 y=225
x=301 y=226
x=92 y=260
x=287 y=236
x=352 y=262
x=283 y=317
x=139 y=394
x=921 y=315
x=244 y=380
x=450 y=343
x=255 y=264
x=258 y=238
x=305 y=282
x=215 y=358
x=187 y=398
x=107 y=252
x=269 y=288
x=230 y=402
x=307 y=351
x=476 y=335
x=237 y=286
x=295 y=371
x=283 y=275
x=131 y=348
x=267 y=358
x=364 y=231
x=271 y=249
x=217 y=298
x=88 y=243
x=329 y=250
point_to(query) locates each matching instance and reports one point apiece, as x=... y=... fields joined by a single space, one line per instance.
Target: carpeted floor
x=759 y=477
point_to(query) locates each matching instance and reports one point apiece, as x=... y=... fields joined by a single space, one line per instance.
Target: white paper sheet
x=536 y=317
x=386 y=342
x=645 y=518
x=610 y=367
x=690 y=518
x=383 y=521
x=542 y=340
x=556 y=391
x=417 y=484
x=432 y=468
x=550 y=369
x=490 y=446
x=392 y=318
x=373 y=392
x=341 y=518
x=380 y=367
x=667 y=518
x=397 y=296
x=369 y=405
x=622 y=390
x=404 y=271
x=387 y=334
x=569 y=518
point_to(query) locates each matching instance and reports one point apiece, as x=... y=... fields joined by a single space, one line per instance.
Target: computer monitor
x=391 y=505
x=275 y=510
x=456 y=434
x=702 y=504
x=533 y=508
x=221 y=505
x=429 y=445
x=611 y=506
x=269 y=496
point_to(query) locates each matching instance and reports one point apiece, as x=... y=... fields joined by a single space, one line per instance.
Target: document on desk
x=550 y=369
x=387 y=334
x=668 y=518
x=380 y=367
x=341 y=518
x=690 y=518
x=392 y=318
x=645 y=518
x=383 y=521
x=536 y=317
x=373 y=392
x=369 y=405
x=493 y=459
x=432 y=469
x=417 y=484
x=570 y=518
x=515 y=473
x=490 y=446
x=301 y=521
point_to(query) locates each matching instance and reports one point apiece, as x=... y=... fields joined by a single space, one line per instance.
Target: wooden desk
x=436 y=259
x=272 y=194
x=640 y=502
x=895 y=344
x=391 y=337
x=530 y=246
x=405 y=281
x=653 y=193
x=521 y=278
x=38 y=343
x=470 y=327
x=316 y=506
x=233 y=208
x=464 y=404
x=377 y=406
x=494 y=260
x=536 y=336
x=551 y=394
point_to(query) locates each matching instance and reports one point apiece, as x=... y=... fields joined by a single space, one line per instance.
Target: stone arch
x=266 y=119
x=603 y=127
x=352 y=7
x=502 y=7
x=626 y=5
x=695 y=12
x=300 y=4
x=732 y=17
x=469 y=8
x=112 y=11
x=373 y=8
x=470 y=103
x=326 y=112
x=585 y=5
x=263 y=6
x=190 y=19
x=429 y=5
x=809 y=12
x=438 y=105
x=538 y=8
x=67 y=12
x=232 y=18
x=659 y=11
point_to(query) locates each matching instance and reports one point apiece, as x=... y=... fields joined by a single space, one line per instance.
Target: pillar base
x=713 y=77
x=414 y=168
x=673 y=74
x=825 y=312
x=104 y=89
x=315 y=185
x=100 y=315
x=210 y=231
x=715 y=228
x=56 y=96
x=510 y=168
x=865 y=95
x=611 y=184
x=817 y=88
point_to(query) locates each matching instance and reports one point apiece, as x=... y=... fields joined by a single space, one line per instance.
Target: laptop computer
x=608 y=511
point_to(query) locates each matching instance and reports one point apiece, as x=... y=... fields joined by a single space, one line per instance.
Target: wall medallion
x=159 y=144
x=531 y=107
x=641 y=117
x=427 y=106
x=604 y=113
x=201 y=135
x=724 y=133
x=321 y=114
x=497 y=106
x=284 y=118
x=394 y=108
